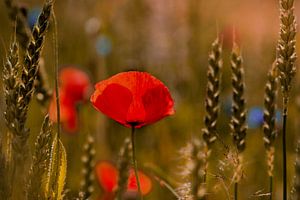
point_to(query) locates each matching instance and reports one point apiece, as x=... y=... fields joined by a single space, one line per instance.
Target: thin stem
x=56 y=74
x=284 y=172
x=167 y=186
x=134 y=161
x=236 y=191
x=271 y=186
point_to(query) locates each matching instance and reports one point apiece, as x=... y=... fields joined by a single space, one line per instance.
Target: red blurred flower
x=68 y=114
x=75 y=83
x=133 y=99
x=74 y=87
x=107 y=176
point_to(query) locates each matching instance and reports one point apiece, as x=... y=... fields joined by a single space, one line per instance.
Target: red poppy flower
x=68 y=114
x=107 y=175
x=75 y=83
x=74 y=87
x=133 y=99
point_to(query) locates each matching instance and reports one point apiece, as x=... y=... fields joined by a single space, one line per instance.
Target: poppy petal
x=157 y=103
x=107 y=176
x=133 y=98
x=114 y=102
x=145 y=182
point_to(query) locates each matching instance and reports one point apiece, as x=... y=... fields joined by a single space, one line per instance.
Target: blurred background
x=170 y=39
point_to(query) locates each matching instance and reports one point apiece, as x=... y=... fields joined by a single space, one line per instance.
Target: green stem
x=236 y=191
x=271 y=186
x=134 y=161
x=284 y=172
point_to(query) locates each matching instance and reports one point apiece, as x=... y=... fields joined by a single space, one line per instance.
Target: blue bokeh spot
x=103 y=45
x=33 y=15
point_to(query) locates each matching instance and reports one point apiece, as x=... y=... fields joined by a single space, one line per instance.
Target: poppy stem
x=135 y=162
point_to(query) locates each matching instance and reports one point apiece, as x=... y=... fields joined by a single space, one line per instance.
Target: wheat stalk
x=43 y=93
x=286 y=58
x=270 y=98
x=269 y=127
x=125 y=156
x=238 y=118
x=11 y=82
x=88 y=168
x=286 y=49
x=28 y=75
x=212 y=93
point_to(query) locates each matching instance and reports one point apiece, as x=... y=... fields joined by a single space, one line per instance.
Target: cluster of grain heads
x=18 y=86
x=88 y=168
x=286 y=58
x=125 y=157
x=19 y=19
x=238 y=119
x=24 y=83
x=269 y=126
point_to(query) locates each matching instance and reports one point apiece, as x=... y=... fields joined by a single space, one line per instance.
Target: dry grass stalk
x=286 y=49
x=238 y=119
x=88 y=168
x=124 y=164
x=212 y=93
x=40 y=160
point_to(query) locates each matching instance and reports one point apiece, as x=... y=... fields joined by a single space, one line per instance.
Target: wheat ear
x=286 y=58
x=238 y=120
x=212 y=93
x=269 y=127
x=88 y=168
x=124 y=164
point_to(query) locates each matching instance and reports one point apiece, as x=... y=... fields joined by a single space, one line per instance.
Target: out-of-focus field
x=170 y=39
